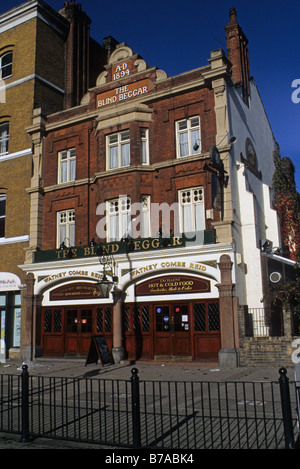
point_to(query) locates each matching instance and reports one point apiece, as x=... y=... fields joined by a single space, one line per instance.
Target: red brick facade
x=161 y=179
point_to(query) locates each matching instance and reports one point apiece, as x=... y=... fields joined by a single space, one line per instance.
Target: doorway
x=79 y=330
x=172 y=330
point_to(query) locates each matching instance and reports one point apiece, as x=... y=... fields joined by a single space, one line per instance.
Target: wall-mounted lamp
x=106 y=285
x=196 y=145
x=231 y=140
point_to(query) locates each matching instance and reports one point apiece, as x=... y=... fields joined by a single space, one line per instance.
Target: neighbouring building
x=37 y=70
x=162 y=186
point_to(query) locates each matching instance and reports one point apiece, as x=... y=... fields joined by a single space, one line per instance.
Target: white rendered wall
x=254 y=219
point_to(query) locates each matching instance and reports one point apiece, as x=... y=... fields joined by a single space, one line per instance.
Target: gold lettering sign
x=173 y=284
x=77 y=291
x=122 y=93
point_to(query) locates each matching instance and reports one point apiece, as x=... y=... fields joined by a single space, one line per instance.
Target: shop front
x=10 y=314
x=169 y=309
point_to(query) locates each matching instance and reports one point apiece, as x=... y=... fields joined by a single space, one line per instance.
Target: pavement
x=154 y=371
x=147 y=370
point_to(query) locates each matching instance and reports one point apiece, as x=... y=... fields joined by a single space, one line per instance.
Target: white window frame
x=5 y=66
x=66 y=166
x=118 y=150
x=118 y=218
x=65 y=228
x=192 y=209
x=144 y=140
x=3 y=216
x=4 y=138
x=188 y=134
x=145 y=219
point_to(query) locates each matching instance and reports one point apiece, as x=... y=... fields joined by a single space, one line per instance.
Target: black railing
x=263 y=322
x=151 y=414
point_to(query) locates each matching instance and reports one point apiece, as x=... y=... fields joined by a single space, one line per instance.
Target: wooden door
x=79 y=330
x=172 y=330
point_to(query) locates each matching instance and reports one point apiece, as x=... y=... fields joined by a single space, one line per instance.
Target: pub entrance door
x=79 y=330
x=172 y=330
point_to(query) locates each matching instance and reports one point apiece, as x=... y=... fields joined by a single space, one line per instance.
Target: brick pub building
x=162 y=185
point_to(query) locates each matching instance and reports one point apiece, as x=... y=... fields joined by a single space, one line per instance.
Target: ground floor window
x=10 y=313
x=150 y=330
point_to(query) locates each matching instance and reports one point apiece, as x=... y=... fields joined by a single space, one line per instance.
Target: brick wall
x=264 y=351
x=161 y=183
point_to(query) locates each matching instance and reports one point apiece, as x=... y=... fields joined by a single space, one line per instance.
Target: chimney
x=77 y=49
x=237 y=53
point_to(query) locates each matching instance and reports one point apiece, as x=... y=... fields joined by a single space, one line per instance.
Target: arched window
x=6 y=65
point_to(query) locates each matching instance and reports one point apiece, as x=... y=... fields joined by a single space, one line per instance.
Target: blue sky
x=178 y=36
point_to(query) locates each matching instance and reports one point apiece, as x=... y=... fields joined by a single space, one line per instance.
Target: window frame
x=117 y=144
x=69 y=161
x=69 y=230
x=144 y=143
x=120 y=229
x=4 y=138
x=3 y=197
x=194 y=222
x=145 y=227
x=2 y=67
x=190 y=141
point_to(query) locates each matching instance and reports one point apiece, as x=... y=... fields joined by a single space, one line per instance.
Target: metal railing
x=151 y=414
x=262 y=322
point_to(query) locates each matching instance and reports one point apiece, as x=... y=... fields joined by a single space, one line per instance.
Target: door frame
x=78 y=342
x=171 y=336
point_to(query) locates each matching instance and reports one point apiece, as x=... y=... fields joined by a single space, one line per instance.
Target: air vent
x=275 y=277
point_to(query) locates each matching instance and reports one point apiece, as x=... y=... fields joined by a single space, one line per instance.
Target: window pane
x=125 y=136
x=17 y=327
x=114 y=227
x=7 y=59
x=4 y=136
x=2 y=206
x=126 y=224
x=72 y=170
x=196 y=138
x=6 y=65
x=63 y=171
x=48 y=320
x=213 y=317
x=62 y=234
x=183 y=144
x=144 y=146
x=113 y=157
x=187 y=218
x=143 y=152
x=199 y=317
x=3 y=299
x=17 y=299
x=113 y=138
x=72 y=235
x=125 y=154
x=194 y=121
x=199 y=216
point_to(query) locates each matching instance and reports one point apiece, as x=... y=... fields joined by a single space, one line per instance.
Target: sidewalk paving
x=152 y=370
